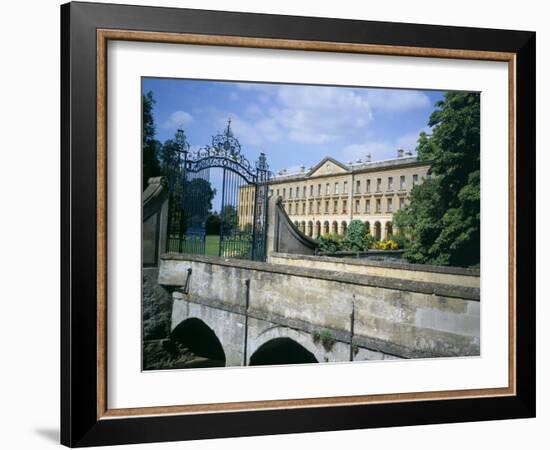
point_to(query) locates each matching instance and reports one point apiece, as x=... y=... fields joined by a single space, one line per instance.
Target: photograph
x=303 y=224
x=286 y=221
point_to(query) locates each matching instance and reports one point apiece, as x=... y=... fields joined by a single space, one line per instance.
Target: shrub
x=355 y=236
x=400 y=239
x=358 y=238
x=330 y=243
x=370 y=241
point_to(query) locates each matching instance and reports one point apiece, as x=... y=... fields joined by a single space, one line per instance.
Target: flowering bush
x=388 y=244
x=356 y=239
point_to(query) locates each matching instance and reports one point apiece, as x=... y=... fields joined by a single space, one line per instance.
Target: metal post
x=265 y=213
x=352 y=329
x=221 y=214
x=182 y=169
x=247 y=302
x=254 y=213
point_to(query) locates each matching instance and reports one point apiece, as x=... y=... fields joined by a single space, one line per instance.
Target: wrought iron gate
x=241 y=222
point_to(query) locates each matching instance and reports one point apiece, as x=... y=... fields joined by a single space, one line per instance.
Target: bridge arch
x=282 y=345
x=282 y=350
x=194 y=335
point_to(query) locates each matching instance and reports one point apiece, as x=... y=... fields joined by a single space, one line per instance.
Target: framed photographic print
x=277 y=224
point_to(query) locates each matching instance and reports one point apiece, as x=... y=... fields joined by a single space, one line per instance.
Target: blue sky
x=293 y=124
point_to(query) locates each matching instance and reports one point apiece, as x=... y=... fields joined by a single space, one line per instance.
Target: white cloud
x=319 y=115
x=397 y=100
x=178 y=119
x=409 y=141
x=303 y=114
x=377 y=149
x=385 y=149
x=246 y=132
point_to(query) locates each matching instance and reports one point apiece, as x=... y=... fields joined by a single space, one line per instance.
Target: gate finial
x=228 y=131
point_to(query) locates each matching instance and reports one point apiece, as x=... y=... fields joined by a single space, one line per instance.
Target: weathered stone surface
x=166 y=354
x=414 y=272
x=393 y=317
x=157 y=306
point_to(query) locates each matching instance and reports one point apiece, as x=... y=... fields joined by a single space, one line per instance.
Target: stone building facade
x=327 y=197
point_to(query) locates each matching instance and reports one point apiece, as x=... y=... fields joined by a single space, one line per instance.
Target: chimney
x=409 y=153
x=368 y=158
x=400 y=152
x=302 y=168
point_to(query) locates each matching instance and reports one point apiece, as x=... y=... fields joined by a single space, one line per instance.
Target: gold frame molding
x=105 y=35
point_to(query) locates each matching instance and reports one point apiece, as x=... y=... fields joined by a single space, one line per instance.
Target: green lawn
x=212 y=246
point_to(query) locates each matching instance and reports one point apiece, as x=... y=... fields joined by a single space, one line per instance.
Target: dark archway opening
x=377 y=231
x=281 y=351
x=195 y=337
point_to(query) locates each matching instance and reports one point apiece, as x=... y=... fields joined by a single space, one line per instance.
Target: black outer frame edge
x=525 y=223
x=178 y=20
x=65 y=227
x=79 y=291
x=79 y=426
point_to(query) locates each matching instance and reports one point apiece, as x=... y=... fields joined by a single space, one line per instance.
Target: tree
x=443 y=217
x=171 y=152
x=197 y=197
x=213 y=223
x=150 y=146
x=229 y=218
x=357 y=238
x=168 y=156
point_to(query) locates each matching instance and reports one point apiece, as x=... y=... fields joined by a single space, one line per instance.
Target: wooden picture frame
x=85 y=416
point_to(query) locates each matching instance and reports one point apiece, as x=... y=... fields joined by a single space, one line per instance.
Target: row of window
x=359 y=207
x=301 y=192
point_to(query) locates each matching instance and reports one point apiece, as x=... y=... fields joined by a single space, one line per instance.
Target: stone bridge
x=294 y=311
x=298 y=307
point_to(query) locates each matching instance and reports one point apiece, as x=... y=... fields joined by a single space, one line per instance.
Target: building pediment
x=328 y=166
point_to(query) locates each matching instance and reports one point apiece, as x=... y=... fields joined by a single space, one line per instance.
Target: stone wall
x=156 y=300
x=157 y=306
x=415 y=272
x=393 y=316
